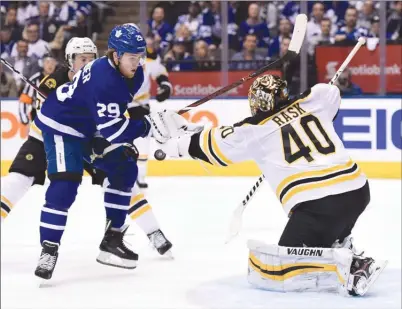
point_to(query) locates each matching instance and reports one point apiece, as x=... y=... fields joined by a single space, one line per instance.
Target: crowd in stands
x=187 y=35
x=31 y=30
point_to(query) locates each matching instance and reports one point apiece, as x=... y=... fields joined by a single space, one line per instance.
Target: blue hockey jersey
x=95 y=100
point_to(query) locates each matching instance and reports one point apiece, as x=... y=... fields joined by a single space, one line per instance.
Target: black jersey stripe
x=316 y=179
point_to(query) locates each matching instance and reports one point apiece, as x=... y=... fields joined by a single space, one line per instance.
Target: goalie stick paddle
x=293 y=51
x=236 y=222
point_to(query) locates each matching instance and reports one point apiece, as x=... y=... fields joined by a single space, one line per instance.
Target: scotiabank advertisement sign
x=365 y=66
x=199 y=84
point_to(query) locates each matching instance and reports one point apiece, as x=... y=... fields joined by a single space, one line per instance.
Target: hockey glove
x=164 y=88
x=167 y=124
x=163 y=92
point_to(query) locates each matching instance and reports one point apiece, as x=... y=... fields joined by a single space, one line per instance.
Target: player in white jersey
x=321 y=189
x=153 y=70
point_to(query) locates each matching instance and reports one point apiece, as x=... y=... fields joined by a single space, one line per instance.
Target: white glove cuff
x=184 y=145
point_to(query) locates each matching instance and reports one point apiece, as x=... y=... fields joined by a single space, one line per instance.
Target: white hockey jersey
x=152 y=69
x=296 y=148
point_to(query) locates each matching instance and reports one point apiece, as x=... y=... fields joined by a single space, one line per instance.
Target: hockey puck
x=160 y=155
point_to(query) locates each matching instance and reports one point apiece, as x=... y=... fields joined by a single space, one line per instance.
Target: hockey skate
x=161 y=243
x=142 y=185
x=363 y=273
x=113 y=251
x=47 y=260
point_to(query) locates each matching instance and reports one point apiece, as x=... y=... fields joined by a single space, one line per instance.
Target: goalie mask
x=265 y=92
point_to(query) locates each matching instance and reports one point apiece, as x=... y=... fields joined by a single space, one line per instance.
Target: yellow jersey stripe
x=217 y=150
x=4 y=214
x=142 y=97
x=322 y=172
x=7 y=202
x=138 y=213
x=136 y=199
x=205 y=147
x=294 y=103
x=35 y=128
x=320 y=184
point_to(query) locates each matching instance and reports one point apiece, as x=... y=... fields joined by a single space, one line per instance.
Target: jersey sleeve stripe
x=109 y=123
x=329 y=180
x=58 y=126
x=119 y=132
x=284 y=183
x=217 y=150
x=204 y=147
x=211 y=149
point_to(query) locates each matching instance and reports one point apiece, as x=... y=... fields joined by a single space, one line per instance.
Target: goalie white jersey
x=152 y=69
x=296 y=148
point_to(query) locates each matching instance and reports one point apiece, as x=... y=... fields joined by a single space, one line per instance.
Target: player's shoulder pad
x=326 y=90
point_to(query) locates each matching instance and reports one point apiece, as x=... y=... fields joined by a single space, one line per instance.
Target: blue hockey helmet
x=127 y=38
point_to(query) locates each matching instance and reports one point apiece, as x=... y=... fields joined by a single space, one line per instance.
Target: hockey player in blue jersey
x=85 y=121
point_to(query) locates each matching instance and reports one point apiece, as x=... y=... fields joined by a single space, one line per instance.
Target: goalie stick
x=293 y=51
x=236 y=222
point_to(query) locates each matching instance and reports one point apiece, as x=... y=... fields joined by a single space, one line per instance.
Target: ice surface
x=194 y=214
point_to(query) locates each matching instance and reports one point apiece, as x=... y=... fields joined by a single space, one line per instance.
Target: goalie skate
x=113 y=251
x=364 y=272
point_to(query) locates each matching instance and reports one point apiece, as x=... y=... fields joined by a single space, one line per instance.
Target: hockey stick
x=236 y=222
x=293 y=51
x=26 y=80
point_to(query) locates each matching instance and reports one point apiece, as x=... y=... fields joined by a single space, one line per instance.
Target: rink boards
x=369 y=127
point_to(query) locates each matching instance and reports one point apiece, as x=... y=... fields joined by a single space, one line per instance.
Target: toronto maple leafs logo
x=118 y=33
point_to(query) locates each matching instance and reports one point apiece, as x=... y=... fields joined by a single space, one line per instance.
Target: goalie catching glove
x=168 y=124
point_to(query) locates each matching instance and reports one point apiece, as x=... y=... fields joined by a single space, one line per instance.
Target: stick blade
x=298 y=33
x=235 y=224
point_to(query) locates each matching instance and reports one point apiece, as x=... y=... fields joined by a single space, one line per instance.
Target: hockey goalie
x=321 y=189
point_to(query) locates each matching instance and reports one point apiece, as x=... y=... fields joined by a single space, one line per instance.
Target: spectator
x=47 y=26
x=217 y=29
x=253 y=24
x=7 y=43
x=314 y=25
x=285 y=31
x=205 y=60
x=324 y=38
x=336 y=10
x=345 y=85
x=375 y=28
x=394 y=23
x=173 y=10
x=80 y=29
x=62 y=12
x=23 y=63
x=291 y=10
x=270 y=14
x=178 y=59
x=207 y=26
x=192 y=20
x=246 y=59
x=11 y=21
x=37 y=46
x=161 y=30
x=25 y=11
x=8 y=87
x=366 y=15
x=184 y=36
x=349 y=32
x=233 y=28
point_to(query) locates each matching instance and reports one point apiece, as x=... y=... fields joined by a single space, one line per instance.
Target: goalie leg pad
x=291 y=269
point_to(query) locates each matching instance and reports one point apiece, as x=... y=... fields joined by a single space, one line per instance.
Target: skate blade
x=169 y=255
x=109 y=259
x=379 y=268
x=44 y=283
